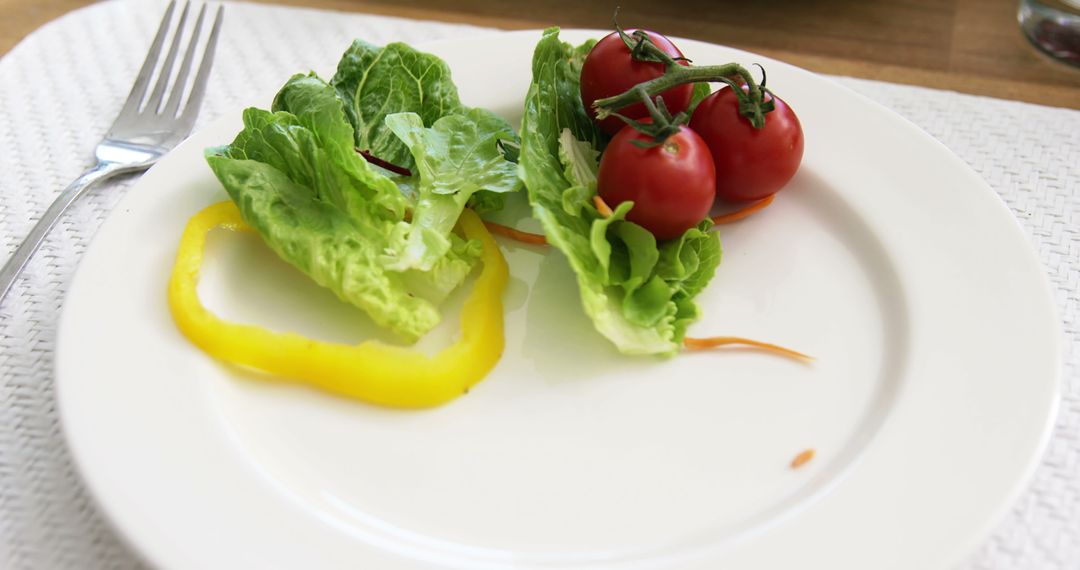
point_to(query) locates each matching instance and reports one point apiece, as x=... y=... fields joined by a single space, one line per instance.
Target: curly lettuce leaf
x=316 y=106
x=375 y=82
x=455 y=158
x=581 y=159
x=483 y=202
x=639 y=294
x=310 y=211
x=487 y=201
x=297 y=179
x=700 y=92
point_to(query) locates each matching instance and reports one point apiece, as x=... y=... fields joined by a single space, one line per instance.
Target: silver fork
x=147 y=127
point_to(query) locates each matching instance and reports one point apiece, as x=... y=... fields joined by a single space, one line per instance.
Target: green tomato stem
x=751 y=102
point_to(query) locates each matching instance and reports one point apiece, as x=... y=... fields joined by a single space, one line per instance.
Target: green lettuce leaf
x=316 y=106
x=581 y=159
x=311 y=212
x=639 y=294
x=375 y=82
x=483 y=201
x=455 y=158
x=700 y=91
x=296 y=177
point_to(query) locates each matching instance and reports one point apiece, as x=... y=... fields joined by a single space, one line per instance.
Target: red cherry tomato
x=672 y=185
x=750 y=163
x=609 y=70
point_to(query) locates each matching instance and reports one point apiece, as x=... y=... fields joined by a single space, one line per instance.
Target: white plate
x=887 y=258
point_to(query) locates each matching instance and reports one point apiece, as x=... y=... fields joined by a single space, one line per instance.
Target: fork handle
x=33 y=240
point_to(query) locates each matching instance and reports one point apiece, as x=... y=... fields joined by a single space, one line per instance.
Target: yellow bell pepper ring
x=370 y=371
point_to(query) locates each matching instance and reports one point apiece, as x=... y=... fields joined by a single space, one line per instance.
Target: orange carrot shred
x=744 y=211
x=601 y=206
x=802 y=458
x=515 y=234
x=715 y=341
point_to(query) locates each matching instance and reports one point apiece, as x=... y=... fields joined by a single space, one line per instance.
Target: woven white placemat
x=61 y=87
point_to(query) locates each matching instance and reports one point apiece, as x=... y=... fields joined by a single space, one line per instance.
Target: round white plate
x=887 y=258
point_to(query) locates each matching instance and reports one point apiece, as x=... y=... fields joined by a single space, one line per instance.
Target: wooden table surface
x=971 y=46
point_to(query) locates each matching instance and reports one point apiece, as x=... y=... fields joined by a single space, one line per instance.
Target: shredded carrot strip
x=744 y=211
x=507 y=231
x=715 y=341
x=802 y=459
x=602 y=206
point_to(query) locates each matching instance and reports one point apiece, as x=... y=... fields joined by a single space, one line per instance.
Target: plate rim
x=974 y=536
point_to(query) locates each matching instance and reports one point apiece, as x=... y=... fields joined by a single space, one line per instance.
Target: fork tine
x=154 y=103
x=138 y=90
x=181 y=78
x=198 y=90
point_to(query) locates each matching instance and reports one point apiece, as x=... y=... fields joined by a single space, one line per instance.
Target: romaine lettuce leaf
x=581 y=159
x=455 y=158
x=381 y=241
x=700 y=92
x=483 y=201
x=378 y=81
x=311 y=212
x=315 y=105
x=639 y=294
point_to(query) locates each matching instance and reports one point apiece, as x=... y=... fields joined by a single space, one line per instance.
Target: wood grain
x=971 y=46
